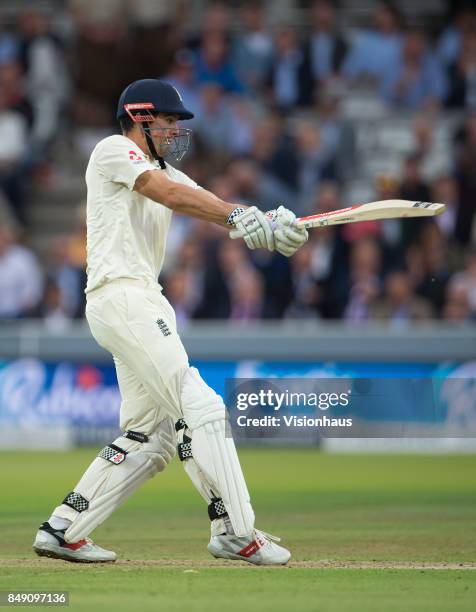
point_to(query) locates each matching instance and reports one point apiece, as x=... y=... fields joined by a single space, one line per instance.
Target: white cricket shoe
x=259 y=548
x=50 y=542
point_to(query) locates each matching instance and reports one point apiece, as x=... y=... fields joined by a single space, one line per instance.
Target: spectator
x=387 y=188
x=376 y=52
x=177 y=291
x=189 y=257
x=100 y=70
x=253 y=185
x=216 y=18
x=253 y=47
x=13 y=148
x=364 y=280
x=224 y=188
x=399 y=304
x=327 y=197
x=316 y=162
x=246 y=295
x=412 y=187
x=12 y=85
x=275 y=273
x=151 y=37
x=241 y=127
x=338 y=134
x=450 y=43
x=20 y=278
x=78 y=238
x=224 y=124
x=224 y=260
x=445 y=190
x=66 y=281
x=274 y=149
x=290 y=79
x=329 y=252
x=456 y=308
x=8 y=44
x=326 y=48
x=462 y=76
x=416 y=80
x=435 y=266
x=466 y=176
x=52 y=311
x=465 y=280
x=212 y=124
x=6 y=215
x=181 y=75
x=67 y=271
x=427 y=142
x=213 y=63
x=202 y=164
x=46 y=78
x=414 y=261
x=306 y=294
x=269 y=129
x=423 y=129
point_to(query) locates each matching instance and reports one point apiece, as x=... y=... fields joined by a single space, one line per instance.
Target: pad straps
x=136 y=435
x=216 y=507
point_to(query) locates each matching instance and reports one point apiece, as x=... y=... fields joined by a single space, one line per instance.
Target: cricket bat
x=384 y=209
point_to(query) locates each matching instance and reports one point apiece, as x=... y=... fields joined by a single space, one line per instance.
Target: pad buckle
x=185 y=448
x=114 y=454
x=216 y=509
x=76 y=501
x=180 y=424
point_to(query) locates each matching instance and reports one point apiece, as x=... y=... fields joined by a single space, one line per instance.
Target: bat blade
x=384 y=209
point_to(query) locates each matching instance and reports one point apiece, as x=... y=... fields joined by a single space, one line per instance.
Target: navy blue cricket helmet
x=146 y=96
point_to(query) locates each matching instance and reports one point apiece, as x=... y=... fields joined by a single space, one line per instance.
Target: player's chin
x=163 y=148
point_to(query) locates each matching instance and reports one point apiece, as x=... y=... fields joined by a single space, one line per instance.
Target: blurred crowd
x=267 y=83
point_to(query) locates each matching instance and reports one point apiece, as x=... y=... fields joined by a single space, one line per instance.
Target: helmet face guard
x=175 y=145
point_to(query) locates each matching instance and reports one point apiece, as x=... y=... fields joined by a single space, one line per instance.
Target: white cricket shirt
x=126 y=232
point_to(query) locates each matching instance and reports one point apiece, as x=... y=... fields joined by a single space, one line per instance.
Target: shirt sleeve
x=121 y=161
x=180 y=177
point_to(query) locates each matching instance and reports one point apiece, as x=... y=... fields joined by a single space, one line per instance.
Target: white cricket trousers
x=136 y=324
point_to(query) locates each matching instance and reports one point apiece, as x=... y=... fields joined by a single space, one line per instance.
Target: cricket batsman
x=166 y=405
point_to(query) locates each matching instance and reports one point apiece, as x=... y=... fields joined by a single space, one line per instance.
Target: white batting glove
x=288 y=237
x=255 y=228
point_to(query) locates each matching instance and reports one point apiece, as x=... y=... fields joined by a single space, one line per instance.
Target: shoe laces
x=267 y=536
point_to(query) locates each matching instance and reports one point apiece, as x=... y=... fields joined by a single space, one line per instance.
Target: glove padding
x=255 y=228
x=288 y=236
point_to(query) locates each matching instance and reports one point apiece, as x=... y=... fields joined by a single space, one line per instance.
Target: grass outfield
x=366 y=533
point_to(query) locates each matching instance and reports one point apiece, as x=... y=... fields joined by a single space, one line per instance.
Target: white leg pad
x=214 y=451
x=202 y=484
x=220 y=523
x=106 y=485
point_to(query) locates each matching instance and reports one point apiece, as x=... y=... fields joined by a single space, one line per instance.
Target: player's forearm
x=199 y=203
x=183 y=199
